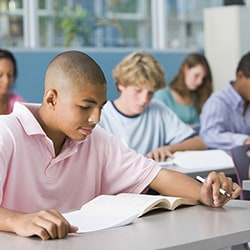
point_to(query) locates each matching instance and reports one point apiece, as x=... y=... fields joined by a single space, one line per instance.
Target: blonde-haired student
x=53 y=157
x=142 y=123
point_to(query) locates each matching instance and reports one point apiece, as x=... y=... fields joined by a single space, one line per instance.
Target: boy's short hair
x=140 y=68
x=244 y=65
x=74 y=67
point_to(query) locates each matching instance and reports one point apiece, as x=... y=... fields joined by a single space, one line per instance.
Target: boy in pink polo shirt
x=53 y=157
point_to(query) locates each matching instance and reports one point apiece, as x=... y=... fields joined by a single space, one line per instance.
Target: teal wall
x=32 y=65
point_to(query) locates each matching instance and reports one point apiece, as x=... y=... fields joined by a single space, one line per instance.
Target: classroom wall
x=227 y=38
x=32 y=65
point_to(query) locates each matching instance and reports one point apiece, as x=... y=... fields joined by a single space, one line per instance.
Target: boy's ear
x=120 y=87
x=240 y=74
x=50 y=98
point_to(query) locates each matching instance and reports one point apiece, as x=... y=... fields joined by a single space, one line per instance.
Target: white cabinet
x=226 y=38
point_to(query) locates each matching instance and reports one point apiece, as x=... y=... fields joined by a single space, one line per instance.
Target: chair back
x=241 y=158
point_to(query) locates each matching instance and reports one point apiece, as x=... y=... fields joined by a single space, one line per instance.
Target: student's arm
x=44 y=224
x=174 y=183
x=161 y=153
x=193 y=143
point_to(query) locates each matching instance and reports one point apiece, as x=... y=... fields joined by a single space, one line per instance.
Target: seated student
x=225 y=117
x=53 y=157
x=146 y=125
x=8 y=74
x=189 y=89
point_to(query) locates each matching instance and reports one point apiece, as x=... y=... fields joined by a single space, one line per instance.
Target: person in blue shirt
x=225 y=117
x=189 y=89
x=146 y=125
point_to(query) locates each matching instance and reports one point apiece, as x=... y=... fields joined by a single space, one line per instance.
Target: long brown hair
x=204 y=90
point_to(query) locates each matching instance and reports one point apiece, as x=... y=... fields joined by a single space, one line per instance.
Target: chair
x=241 y=158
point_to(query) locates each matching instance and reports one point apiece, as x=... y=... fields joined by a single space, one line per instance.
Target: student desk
x=189 y=228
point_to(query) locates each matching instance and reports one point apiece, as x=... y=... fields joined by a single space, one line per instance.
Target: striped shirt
x=223 y=124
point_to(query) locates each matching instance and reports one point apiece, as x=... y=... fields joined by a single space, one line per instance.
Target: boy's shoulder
x=159 y=105
x=11 y=131
x=7 y=120
x=226 y=97
x=20 y=120
x=100 y=133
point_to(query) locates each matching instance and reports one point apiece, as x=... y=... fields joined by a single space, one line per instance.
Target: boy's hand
x=247 y=141
x=44 y=224
x=210 y=190
x=160 y=154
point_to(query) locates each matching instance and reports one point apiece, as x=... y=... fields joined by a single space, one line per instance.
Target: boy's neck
x=119 y=104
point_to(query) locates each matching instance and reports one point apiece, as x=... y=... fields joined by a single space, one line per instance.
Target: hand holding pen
x=212 y=188
x=222 y=191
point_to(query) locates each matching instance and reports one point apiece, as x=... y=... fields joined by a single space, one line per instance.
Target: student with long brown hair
x=189 y=89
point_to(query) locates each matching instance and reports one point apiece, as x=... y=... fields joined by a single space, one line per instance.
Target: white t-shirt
x=156 y=126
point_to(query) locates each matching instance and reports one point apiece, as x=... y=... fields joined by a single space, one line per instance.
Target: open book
x=211 y=159
x=107 y=211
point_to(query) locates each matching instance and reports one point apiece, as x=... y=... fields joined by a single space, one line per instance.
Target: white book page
x=107 y=211
x=201 y=159
x=101 y=213
x=94 y=222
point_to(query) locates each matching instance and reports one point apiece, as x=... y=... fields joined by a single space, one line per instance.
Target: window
x=11 y=23
x=103 y=23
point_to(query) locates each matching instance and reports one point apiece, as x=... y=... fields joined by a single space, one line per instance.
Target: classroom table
x=189 y=228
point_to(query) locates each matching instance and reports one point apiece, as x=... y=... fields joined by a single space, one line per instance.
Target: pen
x=222 y=191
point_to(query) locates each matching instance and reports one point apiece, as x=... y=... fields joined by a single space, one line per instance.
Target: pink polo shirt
x=33 y=178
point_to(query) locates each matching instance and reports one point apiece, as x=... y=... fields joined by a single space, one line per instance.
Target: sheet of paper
x=201 y=159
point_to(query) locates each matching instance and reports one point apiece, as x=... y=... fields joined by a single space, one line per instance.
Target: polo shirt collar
x=24 y=113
